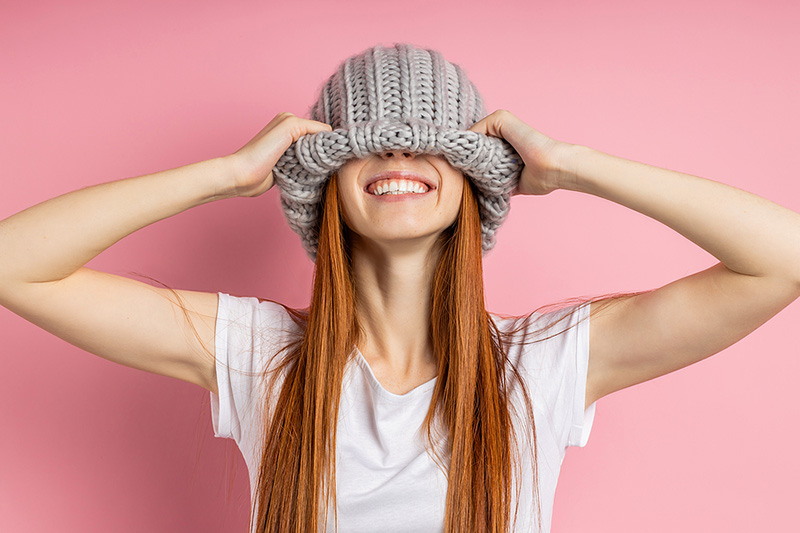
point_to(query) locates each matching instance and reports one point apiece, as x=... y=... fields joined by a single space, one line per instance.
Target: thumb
x=502 y=124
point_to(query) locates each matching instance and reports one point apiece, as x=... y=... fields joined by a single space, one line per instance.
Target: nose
x=397 y=153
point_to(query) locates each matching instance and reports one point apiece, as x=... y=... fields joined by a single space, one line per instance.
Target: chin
x=399 y=239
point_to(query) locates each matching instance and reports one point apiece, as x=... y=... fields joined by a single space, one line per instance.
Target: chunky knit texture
x=388 y=98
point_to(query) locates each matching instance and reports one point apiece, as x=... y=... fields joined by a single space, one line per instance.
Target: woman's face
x=408 y=217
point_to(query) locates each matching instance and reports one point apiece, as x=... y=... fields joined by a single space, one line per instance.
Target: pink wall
x=95 y=91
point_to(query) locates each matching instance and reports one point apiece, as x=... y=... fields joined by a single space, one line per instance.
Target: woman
x=396 y=355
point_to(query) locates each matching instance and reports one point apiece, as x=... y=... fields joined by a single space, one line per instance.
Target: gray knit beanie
x=388 y=98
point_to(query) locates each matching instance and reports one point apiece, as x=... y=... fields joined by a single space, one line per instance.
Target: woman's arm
x=747 y=233
x=122 y=320
x=644 y=336
x=43 y=248
x=52 y=239
x=652 y=334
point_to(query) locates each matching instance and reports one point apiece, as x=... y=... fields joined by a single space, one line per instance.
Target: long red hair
x=470 y=400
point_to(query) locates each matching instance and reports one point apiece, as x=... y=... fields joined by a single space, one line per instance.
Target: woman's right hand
x=254 y=160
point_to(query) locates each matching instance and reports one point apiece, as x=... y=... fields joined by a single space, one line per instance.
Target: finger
x=508 y=126
x=312 y=125
x=482 y=126
x=320 y=126
x=495 y=124
x=302 y=126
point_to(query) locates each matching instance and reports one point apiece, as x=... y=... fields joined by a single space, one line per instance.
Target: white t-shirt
x=386 y=480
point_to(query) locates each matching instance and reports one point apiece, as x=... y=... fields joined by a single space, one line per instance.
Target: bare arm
x=44 y=248
x=756 y=241
x=641 y=337
x=51 y=240
x=42 y=277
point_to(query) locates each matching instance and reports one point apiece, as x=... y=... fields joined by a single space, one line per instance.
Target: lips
x=400 y=174
x=406 y=197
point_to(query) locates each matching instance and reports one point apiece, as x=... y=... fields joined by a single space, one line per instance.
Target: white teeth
x=399 y=187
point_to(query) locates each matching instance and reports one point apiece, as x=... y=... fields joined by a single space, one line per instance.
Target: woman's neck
x=393 y=293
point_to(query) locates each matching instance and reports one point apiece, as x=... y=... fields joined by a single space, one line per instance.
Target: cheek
x=344 y=208
x=350 y=206
x=454 y=200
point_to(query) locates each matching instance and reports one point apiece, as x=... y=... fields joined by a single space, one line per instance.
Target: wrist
x=228 y=169
x=566 y=165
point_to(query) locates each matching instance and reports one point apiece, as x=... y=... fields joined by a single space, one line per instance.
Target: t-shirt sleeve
x=575 y=381
x=561 y=364
x=245 y=331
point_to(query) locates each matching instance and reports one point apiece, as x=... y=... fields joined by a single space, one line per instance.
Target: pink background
x=94 y=91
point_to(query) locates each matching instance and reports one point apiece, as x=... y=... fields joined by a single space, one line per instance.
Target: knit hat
x=388 y=98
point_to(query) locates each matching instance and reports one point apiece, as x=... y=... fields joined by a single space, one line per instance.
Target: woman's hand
x=254 y=160
x=540 y=153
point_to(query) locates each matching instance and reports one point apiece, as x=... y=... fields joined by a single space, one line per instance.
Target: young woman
x=395 y=401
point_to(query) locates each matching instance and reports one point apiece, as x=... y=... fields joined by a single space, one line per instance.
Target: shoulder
x=255 y=309
x=542 y=341
x=544 y=323
x=259 y=322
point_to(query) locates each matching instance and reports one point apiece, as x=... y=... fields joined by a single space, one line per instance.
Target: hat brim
x=491 y=164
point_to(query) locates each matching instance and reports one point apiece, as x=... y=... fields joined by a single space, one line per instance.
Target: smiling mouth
x=394 y=186
x=386 y=194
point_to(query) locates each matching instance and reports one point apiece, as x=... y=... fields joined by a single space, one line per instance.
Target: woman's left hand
x=540 y=153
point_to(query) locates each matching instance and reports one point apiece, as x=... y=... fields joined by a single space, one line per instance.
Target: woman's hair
x=471 y=409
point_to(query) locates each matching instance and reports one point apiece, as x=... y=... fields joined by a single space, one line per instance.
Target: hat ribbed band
x=395 y=84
